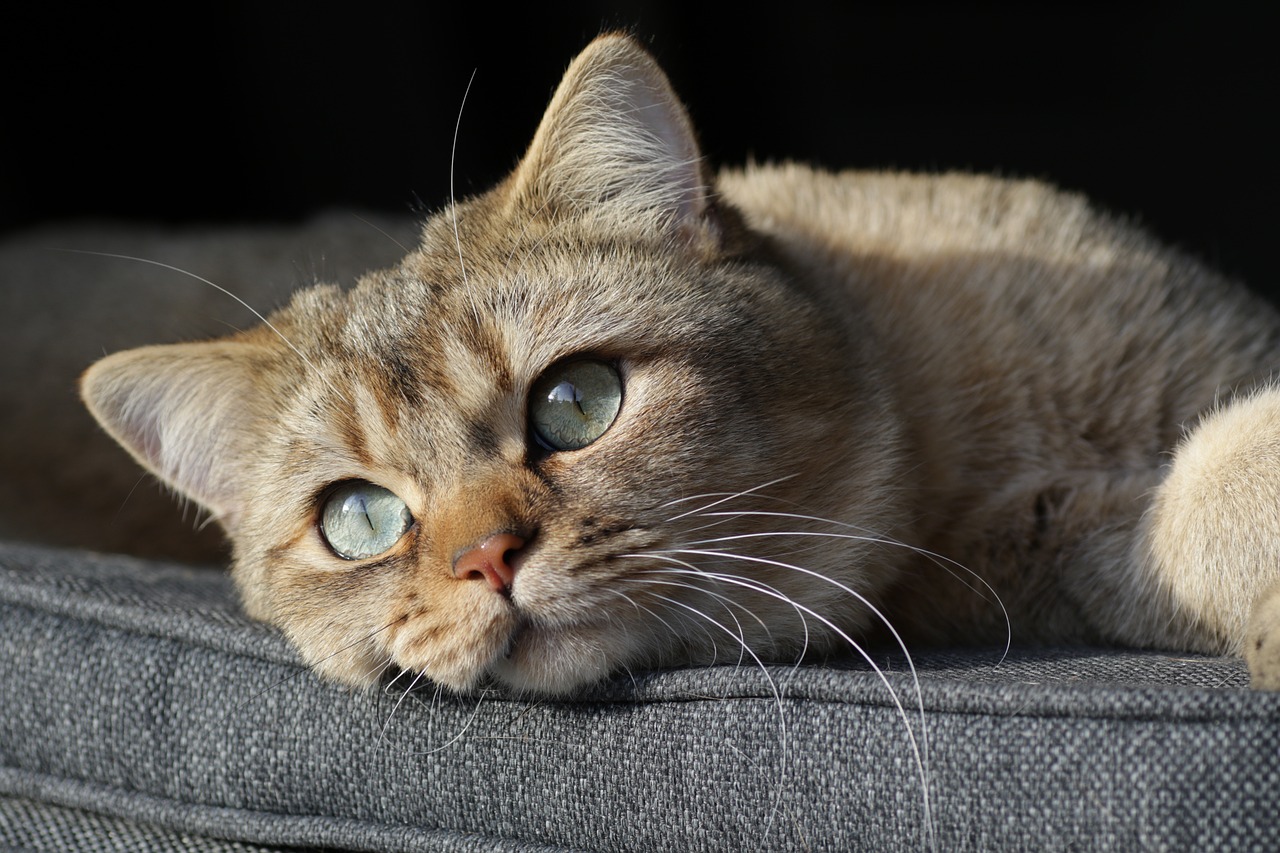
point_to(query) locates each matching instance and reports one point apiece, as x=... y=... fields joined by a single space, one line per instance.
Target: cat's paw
x=1262 y=641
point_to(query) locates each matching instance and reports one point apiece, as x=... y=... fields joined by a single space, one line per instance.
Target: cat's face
x=562 y=438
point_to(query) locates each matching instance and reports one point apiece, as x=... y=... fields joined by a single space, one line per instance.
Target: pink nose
x=488 y=561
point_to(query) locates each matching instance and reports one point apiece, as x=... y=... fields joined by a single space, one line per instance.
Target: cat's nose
x=489 y=561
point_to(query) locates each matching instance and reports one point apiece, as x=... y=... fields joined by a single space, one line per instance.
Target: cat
x=620 y=412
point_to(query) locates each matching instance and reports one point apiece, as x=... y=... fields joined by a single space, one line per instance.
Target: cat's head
x=588 y=425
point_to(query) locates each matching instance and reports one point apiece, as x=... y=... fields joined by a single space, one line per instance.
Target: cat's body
x=611 y=416
x=1045 y=362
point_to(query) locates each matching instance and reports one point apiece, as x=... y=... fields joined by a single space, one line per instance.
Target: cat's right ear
x=182 y=411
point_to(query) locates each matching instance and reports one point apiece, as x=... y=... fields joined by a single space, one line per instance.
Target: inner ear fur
x=184 y=411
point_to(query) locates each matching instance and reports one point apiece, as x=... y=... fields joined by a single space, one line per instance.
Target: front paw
x=1262 y=641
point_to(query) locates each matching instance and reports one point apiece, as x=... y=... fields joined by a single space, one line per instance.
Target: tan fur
x=844 y=394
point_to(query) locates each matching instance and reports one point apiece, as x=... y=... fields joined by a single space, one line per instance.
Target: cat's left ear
x=616 y=144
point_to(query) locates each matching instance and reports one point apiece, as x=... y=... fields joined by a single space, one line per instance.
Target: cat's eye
x=360 y=520
x=574 y=403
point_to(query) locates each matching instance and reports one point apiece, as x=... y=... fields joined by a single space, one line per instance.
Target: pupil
x=360 y=506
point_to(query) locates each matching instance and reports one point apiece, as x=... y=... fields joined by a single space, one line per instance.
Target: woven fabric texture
x=136 y=693
x=36 y=826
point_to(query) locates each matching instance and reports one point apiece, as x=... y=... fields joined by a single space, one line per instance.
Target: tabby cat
x=620 y=412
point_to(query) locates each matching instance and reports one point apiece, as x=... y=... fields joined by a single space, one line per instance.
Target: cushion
x=140 y=709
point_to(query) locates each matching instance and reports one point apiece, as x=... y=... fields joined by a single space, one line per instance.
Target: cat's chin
x=555 y=661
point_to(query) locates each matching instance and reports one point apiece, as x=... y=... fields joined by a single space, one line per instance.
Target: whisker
x=741 y=635
x=638 y=606
x=381 y=231
x=723 y=599
x=920 y=749
x=796 y=824
x=386 y=688
x=723 y=497
x=673 y=631
x=142 y=478
x=689 y=568
x=453 y=198
x=783 y=738
x=382 y=735
x=312 y=666
x=466 y=727
x=945 y=563
x=254 y=311
x=328 y=383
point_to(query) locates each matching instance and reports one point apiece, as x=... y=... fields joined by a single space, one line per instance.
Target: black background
x=254 y=112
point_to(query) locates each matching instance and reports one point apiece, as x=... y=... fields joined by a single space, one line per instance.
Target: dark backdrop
x=269 y=111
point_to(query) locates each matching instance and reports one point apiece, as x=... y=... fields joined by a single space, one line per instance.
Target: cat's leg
x=1262 y=642
x=1213 y=535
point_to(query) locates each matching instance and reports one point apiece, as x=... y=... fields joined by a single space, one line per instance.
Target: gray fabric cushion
x=138 y=700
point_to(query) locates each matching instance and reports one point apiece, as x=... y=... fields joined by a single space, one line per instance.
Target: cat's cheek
x=457 y=645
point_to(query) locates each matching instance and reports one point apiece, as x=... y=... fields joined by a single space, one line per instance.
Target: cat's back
x=906 y=213
x=1013 y=315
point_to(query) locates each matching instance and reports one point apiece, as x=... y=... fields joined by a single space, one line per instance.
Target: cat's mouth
x=530 y=637
x=521 y=627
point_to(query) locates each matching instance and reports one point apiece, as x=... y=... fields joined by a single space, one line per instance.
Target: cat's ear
x=183 y=410
x=615 y=142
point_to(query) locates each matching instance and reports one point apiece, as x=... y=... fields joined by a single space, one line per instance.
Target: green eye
x=361 y=520
x=573 y=403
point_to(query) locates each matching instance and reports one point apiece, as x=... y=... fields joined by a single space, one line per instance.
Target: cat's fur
x=964 y=403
